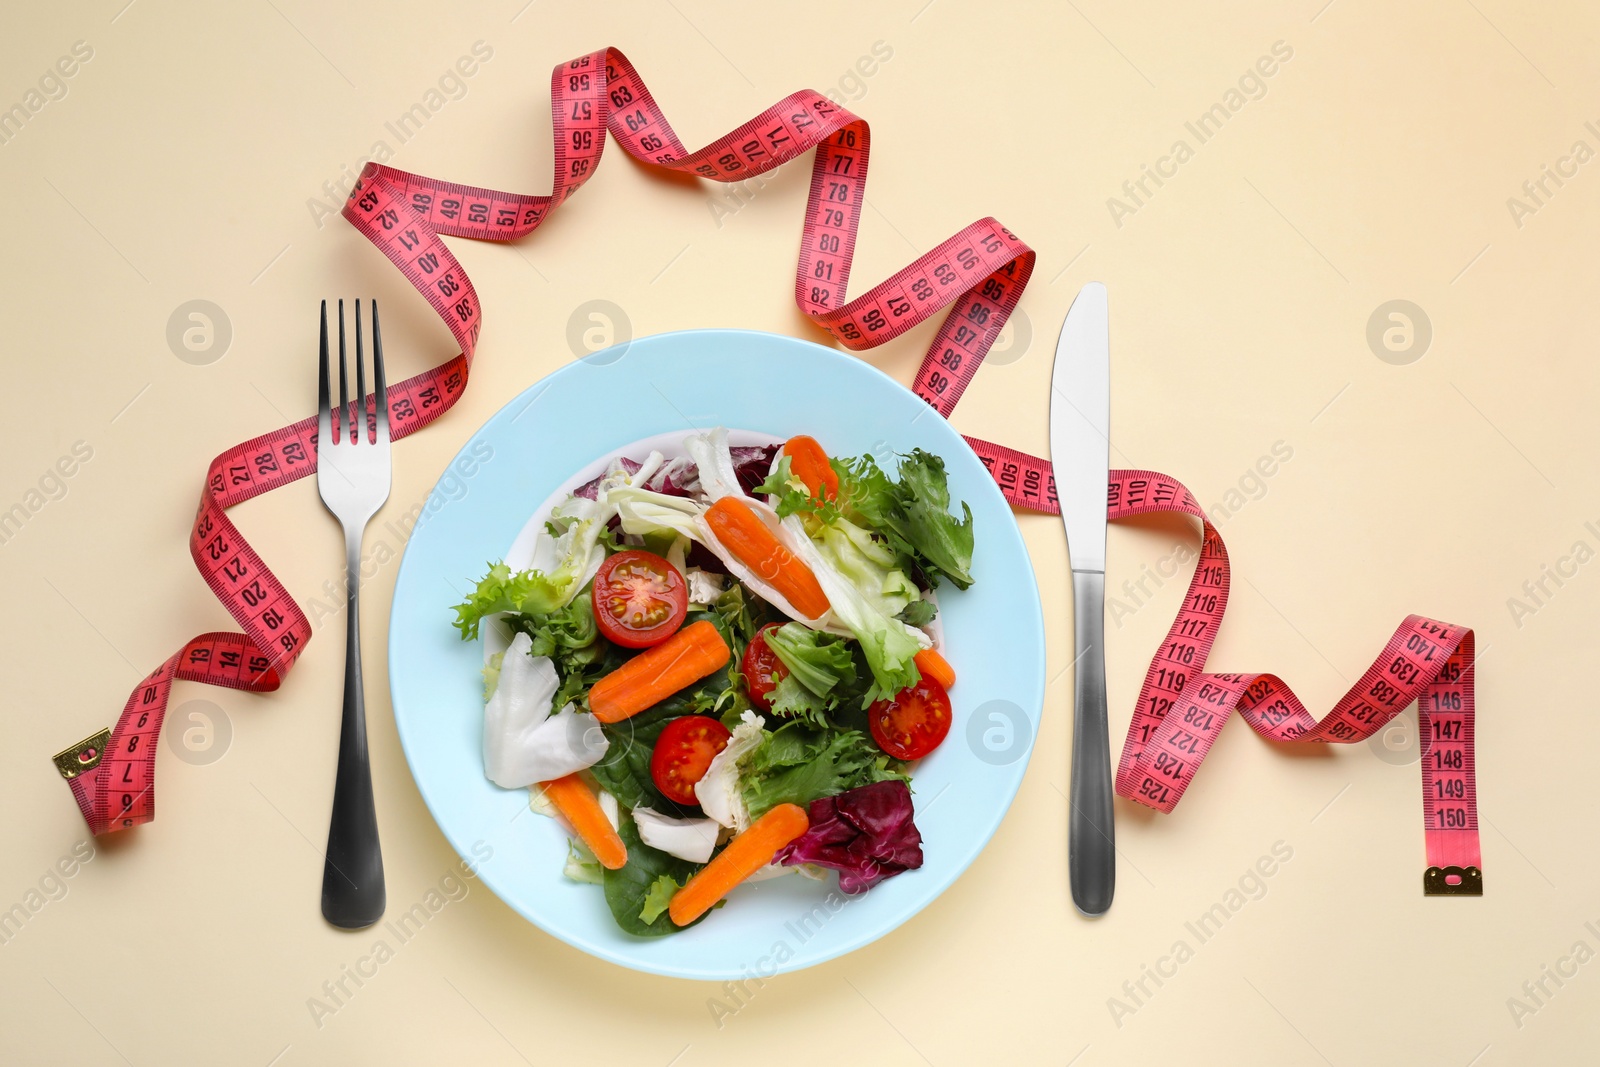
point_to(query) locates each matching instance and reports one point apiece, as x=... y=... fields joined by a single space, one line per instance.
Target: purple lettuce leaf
x=590 y=490
x=866 y=834
x=752 y=464
x=676 y=477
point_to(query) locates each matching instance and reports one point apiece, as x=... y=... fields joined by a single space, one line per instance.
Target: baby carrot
x=581 y=808
x=743 y=533
x=656 y=673
x=744 y=856
x=935 y=666
x=809 y=463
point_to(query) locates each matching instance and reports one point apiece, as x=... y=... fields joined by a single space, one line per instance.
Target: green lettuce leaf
x=816 y=660
x=798 y=763
x=939 y=538
x=658 y=899
x=888 y=645
x=918 y=613
x=868 y=563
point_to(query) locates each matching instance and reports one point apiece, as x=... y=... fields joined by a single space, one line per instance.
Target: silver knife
x=1080 y=452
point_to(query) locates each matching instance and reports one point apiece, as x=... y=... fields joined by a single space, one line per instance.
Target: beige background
x=1377 y=164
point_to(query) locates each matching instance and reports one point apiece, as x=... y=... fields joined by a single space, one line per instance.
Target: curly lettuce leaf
x=736 y=617
x=499 y=591
x=911 y=515
x=571 y=627
x=798 y=763
x=791 y=497
x=791 y=700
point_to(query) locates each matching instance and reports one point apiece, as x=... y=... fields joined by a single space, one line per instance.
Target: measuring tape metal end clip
x=83 y=756
x=1468 y=882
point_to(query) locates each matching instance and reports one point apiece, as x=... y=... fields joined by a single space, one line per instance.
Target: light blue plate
x=584 y=412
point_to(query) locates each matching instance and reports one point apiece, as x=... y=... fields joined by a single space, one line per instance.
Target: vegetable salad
x=723 y=666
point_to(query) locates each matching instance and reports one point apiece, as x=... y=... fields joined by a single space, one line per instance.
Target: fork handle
x=352 y=876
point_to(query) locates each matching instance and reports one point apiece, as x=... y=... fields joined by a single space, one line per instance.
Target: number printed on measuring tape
x=979 y=274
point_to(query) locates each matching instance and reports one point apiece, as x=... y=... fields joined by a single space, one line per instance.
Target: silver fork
x=353 y=478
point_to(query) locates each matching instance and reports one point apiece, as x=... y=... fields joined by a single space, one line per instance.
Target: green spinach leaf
x=629 y=889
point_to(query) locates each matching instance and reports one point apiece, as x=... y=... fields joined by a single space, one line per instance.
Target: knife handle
x=1091 y=846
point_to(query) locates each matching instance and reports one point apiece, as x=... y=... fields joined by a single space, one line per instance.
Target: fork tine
x=361 y=381
x=377 y=379
x=324 y=412
x=346 y=433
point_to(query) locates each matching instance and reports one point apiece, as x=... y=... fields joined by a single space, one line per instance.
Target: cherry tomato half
x=762 y=669
x=639 y=599
x=913 y=723
x=683 y=752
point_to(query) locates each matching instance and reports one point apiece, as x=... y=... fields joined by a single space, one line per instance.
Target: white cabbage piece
x=688 y=839
x=568 y=559
x=608 y=806
x=704 y=587
x=718 y=790
x=522 y=742
x=678 y=554
x=539 y=803
x=714 y=464
x=645 y=512
x=581 y=865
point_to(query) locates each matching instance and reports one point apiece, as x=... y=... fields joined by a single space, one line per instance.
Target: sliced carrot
x=935 y=666
x=809 y=463
x=581 y=808
x=743 y=533
x=744 y=856
x=656 y=673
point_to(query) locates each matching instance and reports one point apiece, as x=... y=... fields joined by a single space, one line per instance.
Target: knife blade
x=1080 y=454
